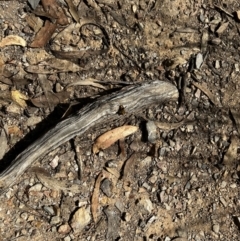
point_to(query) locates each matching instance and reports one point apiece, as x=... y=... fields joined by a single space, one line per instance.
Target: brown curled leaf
x=110 y=137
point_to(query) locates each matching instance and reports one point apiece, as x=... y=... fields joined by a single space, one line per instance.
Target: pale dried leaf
x=54 y=184
x=95 y=196
x=12 y=40
x=19 y=98
x=53 y=99
x=89 y=81
x=110 y=137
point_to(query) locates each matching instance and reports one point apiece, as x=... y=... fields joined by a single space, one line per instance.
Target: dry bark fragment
x=44 y=35
x=52 y=7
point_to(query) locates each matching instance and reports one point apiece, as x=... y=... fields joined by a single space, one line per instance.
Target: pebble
x=199 y=60
x=216 y=228
x=223 y=184
x=55 y=220
x=33 y=120
x=152 y=131
x=36 y=188
x=64 y=228
x=222 y=200
x=49 y=209
x=80 y=219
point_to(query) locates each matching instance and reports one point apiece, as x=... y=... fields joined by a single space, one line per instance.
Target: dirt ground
x=179 y=180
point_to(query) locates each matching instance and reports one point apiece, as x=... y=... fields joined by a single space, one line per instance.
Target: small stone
x=106 y=187
x=217 y=64
x=216 y=41
x=152 y=131
x=54 y=162
x=80 y=219
x=33 y=120
x=49 y=209
x=36 y=188
x=199 y=60
x=222 y=28
x=234 y=185
x=167 y=239
x=146 y=162
x=58 y=87
x=222 y=200
x=163 y=166
x=64 y=228
x=55 y=220
x=216 y=228
x=24 y=216
x=238 y=14
x=14 y=108
x=68 y=238
x=223 y=184
x=146 y=203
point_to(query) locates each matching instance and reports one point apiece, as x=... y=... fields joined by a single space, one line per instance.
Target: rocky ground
x=175 y=178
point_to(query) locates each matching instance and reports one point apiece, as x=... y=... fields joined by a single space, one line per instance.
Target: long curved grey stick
x=132 y=98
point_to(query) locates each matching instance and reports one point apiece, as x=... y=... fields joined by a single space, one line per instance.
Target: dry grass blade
x=89 y=81
x=110 y=137
x=204 y=88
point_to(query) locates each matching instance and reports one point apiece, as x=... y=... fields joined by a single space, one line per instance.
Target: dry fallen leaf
x=12 y=40
x=110 y=137
x=58 y=185
x=14 y=130
x=53 y=99
x=212 y=96
x=95 y=196
x=19 y=98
